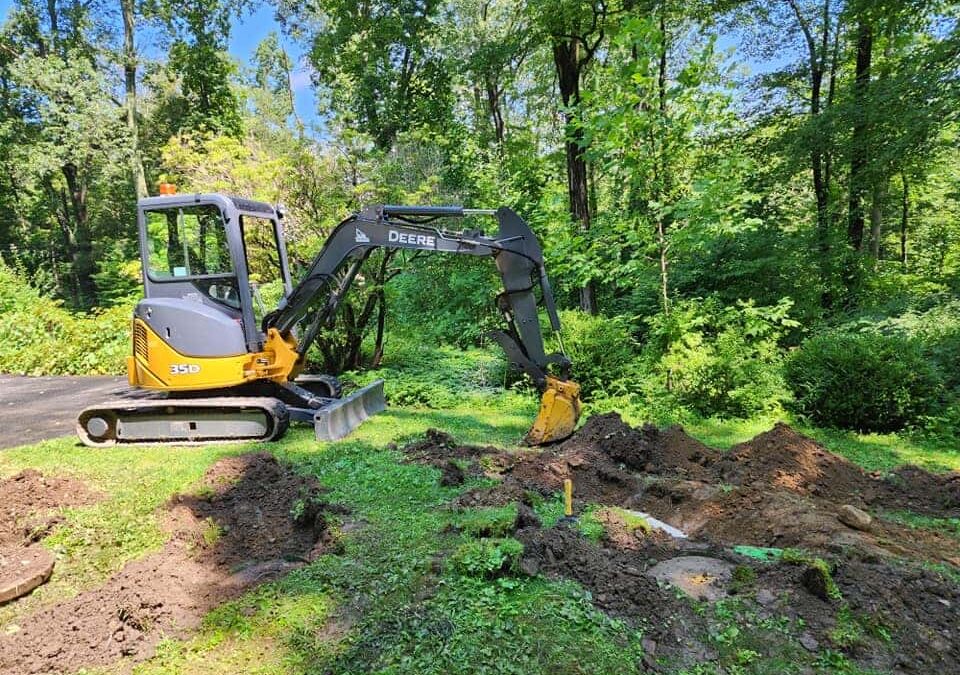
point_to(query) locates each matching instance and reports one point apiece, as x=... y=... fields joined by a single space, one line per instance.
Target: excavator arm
x=518 y=257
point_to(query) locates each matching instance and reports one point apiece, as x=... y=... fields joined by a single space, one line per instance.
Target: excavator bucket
x=559 y=413
x=343 y=415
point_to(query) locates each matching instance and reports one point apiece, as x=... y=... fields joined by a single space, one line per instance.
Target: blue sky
x=245 y=36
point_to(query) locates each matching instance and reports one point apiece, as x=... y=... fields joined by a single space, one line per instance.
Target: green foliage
x=39 y=337
x=599 y=347
x=494 y=521
x=863 y=381
x=421 y=375
x=487 y=558
x=719 y=360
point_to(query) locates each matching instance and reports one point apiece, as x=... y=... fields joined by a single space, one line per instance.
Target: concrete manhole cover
x=22 y=570
x=700 y=577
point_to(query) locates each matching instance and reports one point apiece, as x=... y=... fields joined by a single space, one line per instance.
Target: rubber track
x=274 y=408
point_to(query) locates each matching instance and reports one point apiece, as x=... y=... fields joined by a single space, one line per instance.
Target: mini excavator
x=219 y=367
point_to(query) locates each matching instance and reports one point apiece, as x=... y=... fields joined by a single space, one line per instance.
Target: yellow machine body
x=154 y=364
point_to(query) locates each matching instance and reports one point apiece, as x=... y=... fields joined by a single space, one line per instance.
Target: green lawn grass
x=387 y=603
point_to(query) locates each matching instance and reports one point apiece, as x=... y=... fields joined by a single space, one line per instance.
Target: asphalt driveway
x=36 y=408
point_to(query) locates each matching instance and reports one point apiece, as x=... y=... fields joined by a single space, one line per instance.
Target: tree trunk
x=819 y=164
x=566 y=57
x=130 y=86
x=81 y=244
x=494 y=109
x=664 y=264
x=904 y=220
x=661 y=180
x=876 y=219
x=859 y=152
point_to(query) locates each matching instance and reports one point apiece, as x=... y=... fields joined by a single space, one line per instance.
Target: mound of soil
x=645 y=449
x=619 y=586
x=253 y=519
x=780 y=489
x=29 y=500
x=29 y=503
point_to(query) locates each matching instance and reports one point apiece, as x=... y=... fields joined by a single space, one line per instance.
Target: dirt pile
x=781 y=489
x=29 y=512
x=29 y=502
x=785 y=459
x=619 y=586
x=252 y=519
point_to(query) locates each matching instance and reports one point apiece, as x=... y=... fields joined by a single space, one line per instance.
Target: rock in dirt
x=765 y=598
x=700 y=577
x=853 y=517
x=22 y=570
x=809 y=642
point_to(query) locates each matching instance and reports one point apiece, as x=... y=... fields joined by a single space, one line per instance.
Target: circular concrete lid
x=22 y=569
x=698 y=576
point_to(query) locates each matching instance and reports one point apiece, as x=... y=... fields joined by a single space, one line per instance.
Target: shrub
x=863 y=381
x=718 y=360
x=39 y=337
x=600 y=348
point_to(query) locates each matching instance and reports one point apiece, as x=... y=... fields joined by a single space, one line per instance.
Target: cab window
x=187 y=243
x=190 y=244
x=263 y=262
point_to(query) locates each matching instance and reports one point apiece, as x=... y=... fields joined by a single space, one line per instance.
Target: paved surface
x=36 y=408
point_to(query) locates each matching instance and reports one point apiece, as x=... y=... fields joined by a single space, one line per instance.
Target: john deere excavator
x=227 y=370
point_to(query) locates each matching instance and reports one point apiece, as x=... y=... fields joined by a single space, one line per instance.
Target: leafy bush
x=718 y=360
x=863 y=381
x=487 y=558
x=39 y=337
x=601 y=348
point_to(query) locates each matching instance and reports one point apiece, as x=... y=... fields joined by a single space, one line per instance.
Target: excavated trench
x=781 y=490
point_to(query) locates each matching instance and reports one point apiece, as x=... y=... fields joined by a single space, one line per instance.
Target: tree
x=576 y=31
x=377 y=62
x=128 y=13
x=491 y=39
x=273 y=76
x=200 y=30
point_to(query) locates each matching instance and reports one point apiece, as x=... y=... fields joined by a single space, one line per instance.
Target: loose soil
x=29 y=511
x=782 y=490
x=29 y=504
x=253 y=519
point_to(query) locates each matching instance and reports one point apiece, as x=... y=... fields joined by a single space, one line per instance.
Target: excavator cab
x=210 y=265
x=223 y=330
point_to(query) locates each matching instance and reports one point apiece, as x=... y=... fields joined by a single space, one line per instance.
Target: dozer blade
x=559 y=413
x=343 y=415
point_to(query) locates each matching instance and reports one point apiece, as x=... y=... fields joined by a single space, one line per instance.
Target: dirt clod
x=451 y=474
